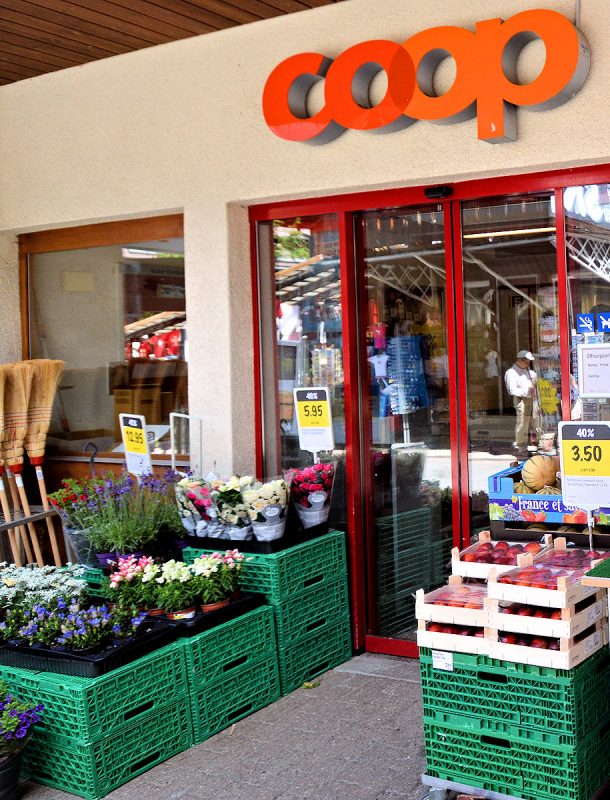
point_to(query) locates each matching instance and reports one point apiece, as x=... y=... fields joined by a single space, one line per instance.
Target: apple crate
x=456 y=603
x=541 y=704
x=569 y=654
x=506 y=766
x=453 y=642
x=559 y=623
x=463 y=563
x=521 y=586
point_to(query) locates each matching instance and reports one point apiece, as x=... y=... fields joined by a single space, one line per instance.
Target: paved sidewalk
x=356 y=736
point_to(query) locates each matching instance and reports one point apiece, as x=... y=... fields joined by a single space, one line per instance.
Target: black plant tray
x=203 y=621
x=289 y=539
x=155 y=635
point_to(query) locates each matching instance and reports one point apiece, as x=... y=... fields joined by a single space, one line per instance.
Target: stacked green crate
x=99 y=733
x=232 y=671
x=95 y=579
x=530 y=732
x=307 y=587
x=403 y=567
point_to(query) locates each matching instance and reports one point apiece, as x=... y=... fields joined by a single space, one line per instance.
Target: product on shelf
x=457 y=603
x=539 y=472
x=475 y=561
x=559 y=623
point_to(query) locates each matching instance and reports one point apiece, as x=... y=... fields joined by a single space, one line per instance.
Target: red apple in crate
x=434 y=627
x=556 y=613
x=501 y=546
x=533 y=548
x=485 y=546
x=469 y=557
x=554 y=645
x=540 y=643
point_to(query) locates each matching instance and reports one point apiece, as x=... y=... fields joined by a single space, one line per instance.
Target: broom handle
x=26 y=510
x=22 y=533
x=50 y=527
x=12 y=533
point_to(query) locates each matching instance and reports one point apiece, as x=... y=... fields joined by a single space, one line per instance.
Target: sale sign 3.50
x=584 y=451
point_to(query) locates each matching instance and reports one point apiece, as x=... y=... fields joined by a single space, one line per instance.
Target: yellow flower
x=8 y=582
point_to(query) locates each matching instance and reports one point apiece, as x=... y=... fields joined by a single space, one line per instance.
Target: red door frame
x=345 y=205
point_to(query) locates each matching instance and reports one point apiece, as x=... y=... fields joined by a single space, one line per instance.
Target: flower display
x=195 y=504
x=228 y=499
x=125 y=583
x=120 y=514
x=310 y=489
x=266 y=505
x=68 y=624
x=40 y=584
x=217 y=575
x=174 y=586
x=16 y=720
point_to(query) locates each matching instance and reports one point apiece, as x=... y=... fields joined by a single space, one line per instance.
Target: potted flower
x=176 y=590
x=310 y=489
x=216 y=577
x=72 y=503
x=266 y=505
x=124 y=584
x=196 y=508
x=230 y=506
x=19 y=585
x=17 y=718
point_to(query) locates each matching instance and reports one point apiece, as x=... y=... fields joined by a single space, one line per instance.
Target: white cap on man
x=525 y=354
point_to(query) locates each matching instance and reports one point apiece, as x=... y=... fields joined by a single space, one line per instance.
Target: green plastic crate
x=221 y=651
x=93 y=770
x=314 y=654
x=216 y=706
x=555 y=706
x=405 y=571
x=402 y=531
x=92 y=708
x=396 y=613
x=289 y=572
x=312 y=610
x=509 y=766
x=95 y=578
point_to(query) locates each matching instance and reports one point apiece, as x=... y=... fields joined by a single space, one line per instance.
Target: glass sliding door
x=511 y=308
x=406 y=410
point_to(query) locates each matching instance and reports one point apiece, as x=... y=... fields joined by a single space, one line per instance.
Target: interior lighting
x=519 y=232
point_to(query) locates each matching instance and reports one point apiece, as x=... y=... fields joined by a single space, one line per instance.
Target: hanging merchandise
x=407 y=382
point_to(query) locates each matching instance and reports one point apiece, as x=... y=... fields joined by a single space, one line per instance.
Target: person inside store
x=520 y=381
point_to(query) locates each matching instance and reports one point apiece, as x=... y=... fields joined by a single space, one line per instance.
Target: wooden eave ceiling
x=39 y=36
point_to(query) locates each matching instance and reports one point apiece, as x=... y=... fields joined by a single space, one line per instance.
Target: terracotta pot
x=205 y=607
x=154 y=612
x=186 y=613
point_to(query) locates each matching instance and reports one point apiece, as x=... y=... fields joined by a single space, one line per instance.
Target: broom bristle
x=3 y=370
x=46 y=375
x=17 y=387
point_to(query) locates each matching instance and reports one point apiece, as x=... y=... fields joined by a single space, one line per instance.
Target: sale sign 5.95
x=314 y=419
x=585 y=463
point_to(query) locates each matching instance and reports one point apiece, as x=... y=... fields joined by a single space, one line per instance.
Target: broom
x=17 y=387
x=46 y=374
x=6 y=510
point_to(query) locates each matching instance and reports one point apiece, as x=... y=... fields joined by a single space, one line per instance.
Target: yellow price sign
x=582 y=458
x=135 y=440
x=313 y=414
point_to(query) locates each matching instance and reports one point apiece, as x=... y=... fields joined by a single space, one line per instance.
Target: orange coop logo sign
x=485 y=84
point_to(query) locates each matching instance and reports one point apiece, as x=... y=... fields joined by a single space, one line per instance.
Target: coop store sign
x=485 y=84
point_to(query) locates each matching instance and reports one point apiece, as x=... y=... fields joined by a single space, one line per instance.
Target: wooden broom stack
x=17 y=388
x=46 y=375
x=4 y=504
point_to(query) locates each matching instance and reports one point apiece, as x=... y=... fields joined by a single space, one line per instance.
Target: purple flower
x=21 y=732
x=8 y=735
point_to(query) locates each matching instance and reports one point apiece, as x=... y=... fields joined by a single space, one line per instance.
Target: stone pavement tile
x=382 y=666
x=342 y=790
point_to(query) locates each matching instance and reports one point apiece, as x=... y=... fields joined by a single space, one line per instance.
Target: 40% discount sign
x=314 y=419
x=584 y=451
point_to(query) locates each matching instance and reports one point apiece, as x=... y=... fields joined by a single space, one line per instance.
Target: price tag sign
x=584 y=452
x=135 y=441
x=314 y=419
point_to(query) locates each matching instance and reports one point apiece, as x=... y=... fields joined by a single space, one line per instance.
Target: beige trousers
x=527 y=418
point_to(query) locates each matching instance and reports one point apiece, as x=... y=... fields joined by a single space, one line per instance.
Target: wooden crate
x=451 y=641
x=571 y=621
x=454 y=615
x=471 y=569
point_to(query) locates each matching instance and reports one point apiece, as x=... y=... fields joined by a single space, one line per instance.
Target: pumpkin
x=549 y=490
x=521 y=488
x=537 y=526
x=539 y=471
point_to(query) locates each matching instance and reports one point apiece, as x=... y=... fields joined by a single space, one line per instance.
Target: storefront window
x=116 y=315
x=511 y=307
x=587 y=221
x=301 y=336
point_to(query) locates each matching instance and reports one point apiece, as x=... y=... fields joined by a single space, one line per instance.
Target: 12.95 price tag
x=135 y=441
x=314 y=419
x=584 y=450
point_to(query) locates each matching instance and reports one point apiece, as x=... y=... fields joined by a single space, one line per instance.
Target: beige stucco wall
x=179 y=127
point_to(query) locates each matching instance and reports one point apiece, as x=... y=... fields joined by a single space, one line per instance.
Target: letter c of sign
x=485 y=82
